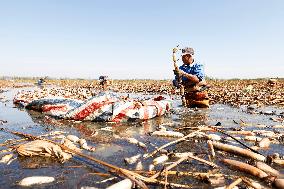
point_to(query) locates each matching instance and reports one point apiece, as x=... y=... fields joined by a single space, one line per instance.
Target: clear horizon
x=133 y=40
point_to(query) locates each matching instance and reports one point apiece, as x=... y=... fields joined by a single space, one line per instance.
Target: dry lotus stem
x=266 y=168
x=244 y=167
x=170 y=167
x=187 y=173
x=264 y=143
x=171 y=143
x=6 y=158
x=238 y=151
x=211 y=148
x=253 y=184
x=235 y=183
x=30 y=181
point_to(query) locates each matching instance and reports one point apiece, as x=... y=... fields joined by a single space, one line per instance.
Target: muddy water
x=79 y=172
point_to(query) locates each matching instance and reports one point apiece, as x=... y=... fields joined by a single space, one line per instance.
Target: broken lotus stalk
x=235 y=183
x=238 y=151
x=171 y=143
x=244 y=167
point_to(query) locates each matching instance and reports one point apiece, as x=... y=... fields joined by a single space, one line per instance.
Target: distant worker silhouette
x=40 y=81
x=104 y=82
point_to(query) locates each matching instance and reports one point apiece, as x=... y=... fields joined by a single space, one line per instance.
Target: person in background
x=40 y=81
x=104 y=82
x=193 y=79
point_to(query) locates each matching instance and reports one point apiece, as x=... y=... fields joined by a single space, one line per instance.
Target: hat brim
x=187 y=53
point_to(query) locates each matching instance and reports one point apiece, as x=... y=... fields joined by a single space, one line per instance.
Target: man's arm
x=198 y=75
x=192 y=78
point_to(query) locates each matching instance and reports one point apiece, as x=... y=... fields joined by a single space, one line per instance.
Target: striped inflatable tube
x=101 y=108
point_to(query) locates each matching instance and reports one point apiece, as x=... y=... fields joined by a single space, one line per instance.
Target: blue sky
x=130 y=39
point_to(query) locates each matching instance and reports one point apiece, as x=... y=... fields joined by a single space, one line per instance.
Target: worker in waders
x=40 y=81
x=193 y=79
x=104 y=82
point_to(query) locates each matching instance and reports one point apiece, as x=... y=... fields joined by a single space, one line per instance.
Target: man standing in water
x=193 y=80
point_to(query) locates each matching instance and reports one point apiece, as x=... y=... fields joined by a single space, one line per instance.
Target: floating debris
x=133 y=159
x=252 y=138
x=211 y=148
x=266 y=168
x=124 y=184
x=73 y=138
x=6 y=158
x=84 y=145
x=244 y=167
x=70 y=144
x=151 y=167
x=88 y=187
x=238 y=151
x=161 y=159
x=214 y=137
x=53 y=133
x=264 y=143
x=42 y=148
x=106 y=129
x=135 y=141
x=11 y=160
x=35 y=180
x=139 y=166
x=58 y=137
x=181 y=155
x=167 y=134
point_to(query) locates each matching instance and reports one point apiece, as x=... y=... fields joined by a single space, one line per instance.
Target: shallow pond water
x=110 y=147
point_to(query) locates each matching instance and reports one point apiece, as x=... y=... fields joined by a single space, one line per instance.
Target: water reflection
x=36 y=162
x=185 y=117
x=181 y=117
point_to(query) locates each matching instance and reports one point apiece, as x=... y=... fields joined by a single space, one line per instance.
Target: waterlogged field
x=250 y=111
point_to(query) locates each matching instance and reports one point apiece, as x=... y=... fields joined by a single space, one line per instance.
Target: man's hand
x=176 y=72
x=176 y=84
x=175 y=49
